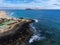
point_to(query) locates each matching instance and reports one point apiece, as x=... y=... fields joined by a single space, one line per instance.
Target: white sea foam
x=11 y=14
x=36 y=36
x=36 y=20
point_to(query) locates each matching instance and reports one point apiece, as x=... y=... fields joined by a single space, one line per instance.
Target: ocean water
x=46 y=28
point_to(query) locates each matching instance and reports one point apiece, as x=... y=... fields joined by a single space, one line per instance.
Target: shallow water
x=46 y=30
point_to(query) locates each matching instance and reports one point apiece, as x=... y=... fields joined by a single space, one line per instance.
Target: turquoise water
x=47 y=28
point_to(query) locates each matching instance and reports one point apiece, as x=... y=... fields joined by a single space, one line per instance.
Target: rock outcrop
x=14 y=31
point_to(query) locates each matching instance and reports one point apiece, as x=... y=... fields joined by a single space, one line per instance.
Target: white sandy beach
x=3 y=14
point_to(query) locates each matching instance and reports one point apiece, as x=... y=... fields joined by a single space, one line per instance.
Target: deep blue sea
x=46 y=28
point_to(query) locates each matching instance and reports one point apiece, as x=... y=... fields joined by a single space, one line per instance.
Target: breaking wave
x=36 y=20
x=36 y=36
x=11 y=14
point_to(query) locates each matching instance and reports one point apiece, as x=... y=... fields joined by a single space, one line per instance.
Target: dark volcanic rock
x=20 y=37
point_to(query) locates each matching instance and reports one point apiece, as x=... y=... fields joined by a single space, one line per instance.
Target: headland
x=14 y=31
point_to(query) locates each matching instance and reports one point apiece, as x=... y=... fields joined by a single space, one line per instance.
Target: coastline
x=3 y=14
x=20 y=32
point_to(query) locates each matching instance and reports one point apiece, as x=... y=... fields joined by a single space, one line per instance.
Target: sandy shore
x=3 y=14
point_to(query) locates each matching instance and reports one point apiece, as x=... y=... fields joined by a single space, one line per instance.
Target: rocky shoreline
x=19 y=33
x=15 y=31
